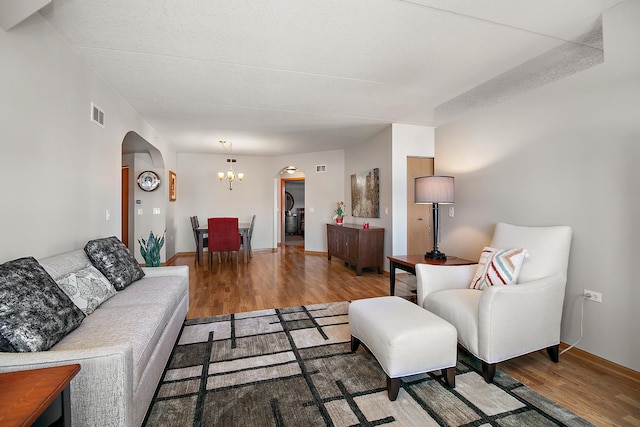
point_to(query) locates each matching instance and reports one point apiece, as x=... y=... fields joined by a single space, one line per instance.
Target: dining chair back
x=224 y=236
x=250 y=235
x=195 y=224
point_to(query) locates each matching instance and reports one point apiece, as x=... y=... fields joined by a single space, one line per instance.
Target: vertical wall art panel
x=365 y=194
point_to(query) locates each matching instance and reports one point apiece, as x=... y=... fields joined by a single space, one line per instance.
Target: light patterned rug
x=293 y=367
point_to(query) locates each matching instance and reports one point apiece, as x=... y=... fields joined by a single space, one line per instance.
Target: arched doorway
x=142 y=211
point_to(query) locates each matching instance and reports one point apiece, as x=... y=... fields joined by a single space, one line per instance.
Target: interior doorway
x=291 y=197
x=293 y=208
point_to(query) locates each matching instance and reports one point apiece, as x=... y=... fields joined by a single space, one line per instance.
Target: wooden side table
x=408 y=264
x=27 y=395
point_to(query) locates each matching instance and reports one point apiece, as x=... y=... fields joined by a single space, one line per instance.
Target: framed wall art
x=365 y=194
x=172 y=186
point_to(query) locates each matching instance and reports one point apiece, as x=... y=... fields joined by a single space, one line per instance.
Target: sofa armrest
x=431 y=278
x=172 y=270
x=531 y=312
x=99 y=392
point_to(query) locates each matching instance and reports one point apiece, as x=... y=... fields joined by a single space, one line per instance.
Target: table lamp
x=434 y=190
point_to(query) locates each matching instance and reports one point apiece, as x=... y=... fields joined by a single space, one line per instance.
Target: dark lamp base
x=435 y=255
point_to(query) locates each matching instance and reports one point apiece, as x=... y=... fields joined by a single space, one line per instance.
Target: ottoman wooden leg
x=450 y=376
x=393 y=387
x=355 y=343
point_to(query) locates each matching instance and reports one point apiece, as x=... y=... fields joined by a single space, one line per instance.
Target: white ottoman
x=404 y=338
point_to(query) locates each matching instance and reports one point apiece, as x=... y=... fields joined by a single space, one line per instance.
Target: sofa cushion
x=137 y=327
x=498 y=267
x=62 y=264
x=113 y=259
x=168 y=290
x=87 y=288
x=34 y=312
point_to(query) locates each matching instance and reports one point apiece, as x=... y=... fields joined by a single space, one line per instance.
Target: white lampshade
x=240 y=176
x=434 y=189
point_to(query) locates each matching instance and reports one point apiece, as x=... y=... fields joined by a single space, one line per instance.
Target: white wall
x=564 y=154
x=407 y=141
x=375 y=152
x=144 y=220
x=61 y=172
x=388 y=150
x=200 y=193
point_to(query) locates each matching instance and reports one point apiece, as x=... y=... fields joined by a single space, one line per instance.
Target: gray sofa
x=122 y=347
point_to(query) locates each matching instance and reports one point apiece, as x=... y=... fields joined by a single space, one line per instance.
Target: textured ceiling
x=289 y=76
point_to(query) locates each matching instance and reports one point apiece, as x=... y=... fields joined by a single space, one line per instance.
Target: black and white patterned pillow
x=87 y=288
x=113 y=259
x=34 y=312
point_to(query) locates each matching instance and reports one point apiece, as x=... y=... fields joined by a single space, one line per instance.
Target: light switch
x=156 y=211
x=139 y=211
x=107 y=215
x=451 y=212
x=312 y=209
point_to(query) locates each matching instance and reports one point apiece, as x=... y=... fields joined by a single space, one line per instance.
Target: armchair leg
x=355 y=343
x=393 y=387
x=488 y=371
x=553 y=352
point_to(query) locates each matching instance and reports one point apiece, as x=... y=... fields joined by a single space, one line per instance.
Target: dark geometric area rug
x=293 y=367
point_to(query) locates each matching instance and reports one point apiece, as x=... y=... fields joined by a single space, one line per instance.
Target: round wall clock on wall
x=148 y=180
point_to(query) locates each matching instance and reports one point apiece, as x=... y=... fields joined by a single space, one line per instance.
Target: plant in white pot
x=150 y=249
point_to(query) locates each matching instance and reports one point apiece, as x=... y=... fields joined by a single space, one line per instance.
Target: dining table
x=243 y=229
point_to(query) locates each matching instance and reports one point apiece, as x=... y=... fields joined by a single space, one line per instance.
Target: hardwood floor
x=599 y=391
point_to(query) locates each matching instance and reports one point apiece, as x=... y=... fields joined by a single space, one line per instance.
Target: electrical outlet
x=592 y=296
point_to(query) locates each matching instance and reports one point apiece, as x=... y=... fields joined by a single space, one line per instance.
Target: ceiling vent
x=321 y=168
x=97 y=115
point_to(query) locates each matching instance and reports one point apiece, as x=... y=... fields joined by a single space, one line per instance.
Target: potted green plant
x=150 y=249
x=339 y=213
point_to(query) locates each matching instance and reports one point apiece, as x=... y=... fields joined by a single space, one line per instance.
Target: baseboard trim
x=600 y=363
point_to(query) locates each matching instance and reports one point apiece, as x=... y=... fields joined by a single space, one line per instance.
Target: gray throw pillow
x=34 y=312
x=113 y=259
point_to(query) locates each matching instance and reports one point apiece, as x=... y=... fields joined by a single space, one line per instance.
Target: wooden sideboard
x=357 y=246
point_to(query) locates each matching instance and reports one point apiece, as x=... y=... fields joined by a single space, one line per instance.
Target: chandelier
x=229 y=175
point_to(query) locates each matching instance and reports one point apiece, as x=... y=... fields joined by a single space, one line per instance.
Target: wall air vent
x=321 y=168
x=97 y=115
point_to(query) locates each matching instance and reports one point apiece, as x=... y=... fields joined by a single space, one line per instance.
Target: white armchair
x=503 y=322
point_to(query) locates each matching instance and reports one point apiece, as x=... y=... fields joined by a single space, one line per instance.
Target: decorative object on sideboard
x=230 y=175
x=339 y=213
x=150 y=249
x=434 y=190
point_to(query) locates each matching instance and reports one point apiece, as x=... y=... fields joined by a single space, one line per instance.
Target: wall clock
x=290 y=201
x=148 y=180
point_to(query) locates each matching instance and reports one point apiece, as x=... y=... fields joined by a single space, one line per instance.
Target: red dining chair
x=223 y=237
